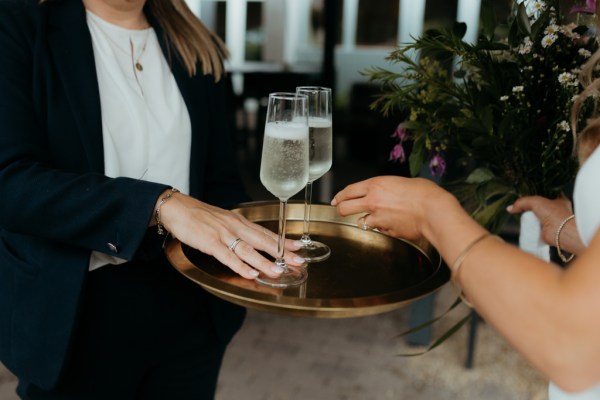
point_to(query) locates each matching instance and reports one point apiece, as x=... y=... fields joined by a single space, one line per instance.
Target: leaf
x=442 y=338
x=488 y=19
x=416 y=159
x=487 y=118
x=411 y=125
x=523 y=20
x=480 y=175
x=459 y=29
x=494 y=188
x=484 y=45
x=431 y=322
x=433 y=33
x=513 y=34
x=460 y=73
x=488 y=214
x=447 y=111
x=540 y=24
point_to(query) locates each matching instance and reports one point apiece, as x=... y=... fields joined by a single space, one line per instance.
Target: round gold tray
x=367 y=273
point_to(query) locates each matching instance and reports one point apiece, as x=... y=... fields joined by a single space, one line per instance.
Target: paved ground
x=284 y=358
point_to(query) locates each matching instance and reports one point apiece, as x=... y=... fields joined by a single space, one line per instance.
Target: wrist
x=557 y=240
x=439 y=212
x=158 y=209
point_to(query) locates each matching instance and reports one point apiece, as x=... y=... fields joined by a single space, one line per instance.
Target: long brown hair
x=187 y=34
x=192 y=40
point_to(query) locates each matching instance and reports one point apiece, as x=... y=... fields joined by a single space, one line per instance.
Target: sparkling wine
x=284 y=165
x=319 y=147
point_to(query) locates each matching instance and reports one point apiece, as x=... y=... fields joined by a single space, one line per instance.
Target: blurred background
x=276 y=45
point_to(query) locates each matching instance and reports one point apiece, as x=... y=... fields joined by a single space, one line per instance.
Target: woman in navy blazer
x=137 y=330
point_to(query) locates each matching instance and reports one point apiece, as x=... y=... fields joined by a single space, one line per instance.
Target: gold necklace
x=135 y=61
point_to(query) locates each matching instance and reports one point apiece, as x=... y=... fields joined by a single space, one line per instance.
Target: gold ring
x=234 y=244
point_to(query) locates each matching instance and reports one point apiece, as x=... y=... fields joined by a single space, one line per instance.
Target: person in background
x=547 y=313
x=113 y=133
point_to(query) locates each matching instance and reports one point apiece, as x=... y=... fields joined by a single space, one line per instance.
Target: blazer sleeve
x=37 y=196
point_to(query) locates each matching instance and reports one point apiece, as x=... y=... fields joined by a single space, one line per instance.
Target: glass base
x=314 y=251
x=292 y=277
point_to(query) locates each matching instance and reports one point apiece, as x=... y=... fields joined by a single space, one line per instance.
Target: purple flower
x=400 y=133
x=589 y=7
x=397 y=153
x=437 y=165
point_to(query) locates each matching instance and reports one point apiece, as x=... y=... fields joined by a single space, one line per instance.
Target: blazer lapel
x=71 y=45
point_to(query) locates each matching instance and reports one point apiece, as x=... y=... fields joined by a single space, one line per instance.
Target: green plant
x=497 y=126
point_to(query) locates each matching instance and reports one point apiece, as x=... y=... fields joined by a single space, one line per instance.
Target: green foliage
x=501 y=115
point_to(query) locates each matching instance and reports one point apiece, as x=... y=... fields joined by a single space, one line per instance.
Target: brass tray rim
x=311 y=307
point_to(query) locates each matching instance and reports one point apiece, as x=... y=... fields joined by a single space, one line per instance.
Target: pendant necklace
x=135 y=61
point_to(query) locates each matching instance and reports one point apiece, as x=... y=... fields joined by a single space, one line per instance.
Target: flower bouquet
x=493 y=117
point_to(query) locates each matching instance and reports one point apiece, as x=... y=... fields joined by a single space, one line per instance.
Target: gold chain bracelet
x=159 y=227
x=557 y=240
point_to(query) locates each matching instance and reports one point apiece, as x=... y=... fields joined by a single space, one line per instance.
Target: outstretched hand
x=394 y=205
x=214 y=231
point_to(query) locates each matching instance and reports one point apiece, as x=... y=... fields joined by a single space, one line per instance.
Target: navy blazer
x=56 y=205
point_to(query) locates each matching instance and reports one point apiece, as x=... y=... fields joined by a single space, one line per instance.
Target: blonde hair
x=193 y=42
x=589 y=138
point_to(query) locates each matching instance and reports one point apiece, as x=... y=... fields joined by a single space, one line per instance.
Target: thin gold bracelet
x=457 y=264
x=159 y=227
x=557 y=240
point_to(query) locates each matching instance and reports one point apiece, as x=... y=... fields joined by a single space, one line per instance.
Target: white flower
x=517 y=89
x=565 y=78
x=552 y=29
x=564 y=125
x=533 y=8
x=503 y=98
x=548 y=40
x=538 y=5
x=525 y=47
x=568 y=79
x=585 y=53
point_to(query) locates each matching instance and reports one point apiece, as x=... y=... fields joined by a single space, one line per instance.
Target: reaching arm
x=547 y=313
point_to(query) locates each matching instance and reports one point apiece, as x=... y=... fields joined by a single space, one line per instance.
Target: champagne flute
x=284 y=168
x=320 y=156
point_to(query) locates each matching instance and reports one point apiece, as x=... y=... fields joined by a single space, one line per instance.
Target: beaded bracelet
x=457 y=264
x=557 y=240
x=159 y=227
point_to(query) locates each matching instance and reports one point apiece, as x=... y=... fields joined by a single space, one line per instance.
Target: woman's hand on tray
x=227 y=236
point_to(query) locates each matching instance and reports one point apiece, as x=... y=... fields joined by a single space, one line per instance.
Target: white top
x=586 y=196
x=585 y=199
x=146 y=127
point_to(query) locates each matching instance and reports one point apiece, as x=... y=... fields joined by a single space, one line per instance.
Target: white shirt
x=146 y=127
x=586 y=197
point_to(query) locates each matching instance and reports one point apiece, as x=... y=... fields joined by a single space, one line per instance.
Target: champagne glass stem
x=280 y=261
x=307 y=203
